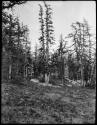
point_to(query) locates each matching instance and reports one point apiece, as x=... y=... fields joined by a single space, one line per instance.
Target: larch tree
x=48 y=36
x=62 y=51
x=42 y=42
x=61 y=59
x=80 y=45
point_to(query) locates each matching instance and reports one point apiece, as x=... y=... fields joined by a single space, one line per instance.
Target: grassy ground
x=33 y=103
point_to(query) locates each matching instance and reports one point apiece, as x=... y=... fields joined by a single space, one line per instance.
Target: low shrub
x=55 y=81
x=91 y=86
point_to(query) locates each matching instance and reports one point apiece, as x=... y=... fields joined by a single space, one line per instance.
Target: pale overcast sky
x=64 y=14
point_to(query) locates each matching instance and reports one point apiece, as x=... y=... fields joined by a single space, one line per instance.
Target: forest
x=47 y=86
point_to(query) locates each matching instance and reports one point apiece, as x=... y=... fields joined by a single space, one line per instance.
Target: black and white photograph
x=48 y=62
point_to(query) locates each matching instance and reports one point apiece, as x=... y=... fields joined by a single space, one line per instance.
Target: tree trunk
x=93 y=74
x=10 y=70
x=82 y=77
x=47 y=78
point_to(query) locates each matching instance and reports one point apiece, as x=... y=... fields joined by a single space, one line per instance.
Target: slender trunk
x=62 y=71
x=17 y=70
x=82 y=49
x=81 y=72
x=93 y=73
x=47 y=67
x=10 y=43
x=10 y=70
x=24 y=71
x=90 y=57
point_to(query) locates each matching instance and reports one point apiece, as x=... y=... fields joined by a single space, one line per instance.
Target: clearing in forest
x=34 y=103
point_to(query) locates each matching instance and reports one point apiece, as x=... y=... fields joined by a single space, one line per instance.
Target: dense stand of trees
x=15 y=46
x=78 y=58
x=82 y=43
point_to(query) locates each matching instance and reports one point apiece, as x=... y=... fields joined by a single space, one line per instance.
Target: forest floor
x=35 y=103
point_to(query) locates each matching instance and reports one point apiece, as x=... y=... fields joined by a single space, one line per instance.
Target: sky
x=64 y=14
